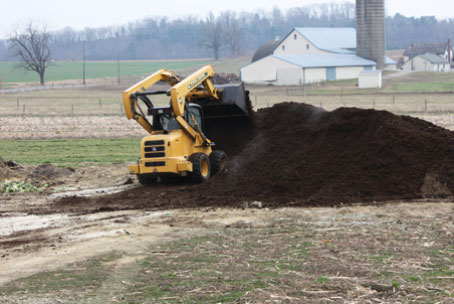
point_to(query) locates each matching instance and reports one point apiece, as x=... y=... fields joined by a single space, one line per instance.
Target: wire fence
x=402 y=103
x=90 y=83
x=113 y=106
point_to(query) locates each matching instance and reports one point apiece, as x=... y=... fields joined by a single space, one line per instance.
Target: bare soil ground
x=394 y=252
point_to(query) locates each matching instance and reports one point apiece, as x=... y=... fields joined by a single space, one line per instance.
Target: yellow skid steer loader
x=176 y=144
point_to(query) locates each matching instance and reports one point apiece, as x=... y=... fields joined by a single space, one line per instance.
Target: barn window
x=283 y=47
x=294 y=36
x=307 y=46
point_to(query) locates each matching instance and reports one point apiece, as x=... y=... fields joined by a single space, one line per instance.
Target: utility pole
x=83 y=62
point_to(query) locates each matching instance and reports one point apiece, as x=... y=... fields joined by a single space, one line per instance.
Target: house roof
x=324 y=60
x=332 y=39
x=389 y=60
x=265 y=50
x=413 y=50
x=433 y=58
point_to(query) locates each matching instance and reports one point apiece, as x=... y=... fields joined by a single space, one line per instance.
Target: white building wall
x=265 y=70
x=289 y=76
x=420 y=64
x=417 y=64
x=271 y=70
x=311 y=75
x=391 y=67
x=370 y=79
x=300 y=45
x=348 y=72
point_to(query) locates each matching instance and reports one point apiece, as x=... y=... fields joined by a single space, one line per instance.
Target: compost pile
x=300 y=155
x=304 y=155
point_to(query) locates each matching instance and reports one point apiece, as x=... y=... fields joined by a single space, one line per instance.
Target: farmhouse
x=427 y=62
x=308 y=55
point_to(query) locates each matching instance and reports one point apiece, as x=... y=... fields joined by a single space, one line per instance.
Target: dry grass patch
x=368 y=254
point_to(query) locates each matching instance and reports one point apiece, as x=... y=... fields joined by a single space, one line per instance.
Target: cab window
x=165 y=122
x=197 y=113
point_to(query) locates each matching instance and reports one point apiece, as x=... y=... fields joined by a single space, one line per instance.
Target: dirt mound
x=48 y=172
x=5 y=170
x=303 y=155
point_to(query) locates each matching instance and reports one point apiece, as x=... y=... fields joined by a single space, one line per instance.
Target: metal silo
x=370 y=30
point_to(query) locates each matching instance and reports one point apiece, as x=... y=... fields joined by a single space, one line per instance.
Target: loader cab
x=163 y=119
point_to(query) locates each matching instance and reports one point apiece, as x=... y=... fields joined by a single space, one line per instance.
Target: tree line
x=225 y=35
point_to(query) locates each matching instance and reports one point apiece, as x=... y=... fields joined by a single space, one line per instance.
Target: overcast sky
x=97 y=13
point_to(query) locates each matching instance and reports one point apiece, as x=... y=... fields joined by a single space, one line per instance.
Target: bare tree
x=30 y=44
x=232 y=32
x=213 y=34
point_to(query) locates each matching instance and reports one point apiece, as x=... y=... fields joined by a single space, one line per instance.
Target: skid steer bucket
x=234 y=102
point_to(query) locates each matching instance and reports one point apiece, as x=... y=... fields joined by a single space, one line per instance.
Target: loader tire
x=145 y=179
x=201 y=168
x=218 y=161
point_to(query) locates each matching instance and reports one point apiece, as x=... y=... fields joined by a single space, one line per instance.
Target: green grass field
x=94 y=69
x=71 y=152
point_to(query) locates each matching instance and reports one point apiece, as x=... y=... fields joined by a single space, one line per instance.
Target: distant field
x=108 y=69
x=94 y=69
x=72 y=152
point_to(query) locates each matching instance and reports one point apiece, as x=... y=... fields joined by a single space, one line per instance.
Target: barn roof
x=332 y=39
x=325 y=60
x=265 y=50
x=433 y=58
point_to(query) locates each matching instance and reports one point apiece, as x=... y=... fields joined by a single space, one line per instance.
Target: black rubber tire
x=218 y=161
x=146 y=179
x=201 y=168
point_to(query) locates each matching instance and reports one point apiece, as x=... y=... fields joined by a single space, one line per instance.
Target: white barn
x=308 y=55
x=428 y=63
